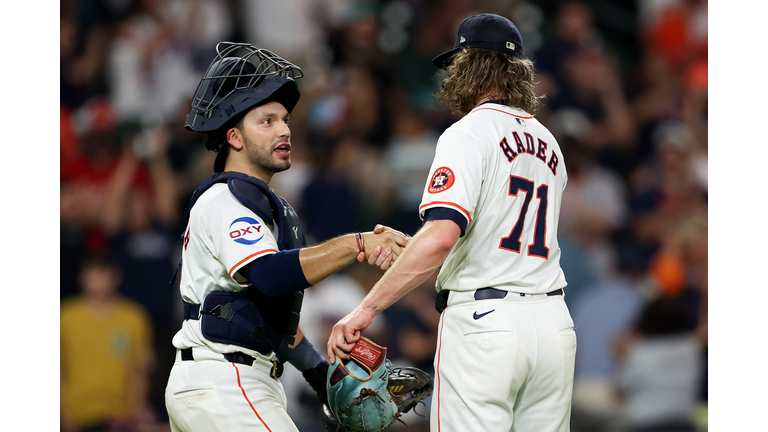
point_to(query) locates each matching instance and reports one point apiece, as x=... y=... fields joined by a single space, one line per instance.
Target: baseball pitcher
x=506 y=345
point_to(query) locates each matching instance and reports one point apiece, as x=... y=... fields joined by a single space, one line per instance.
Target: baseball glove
x=366 y=394
x=408 y=387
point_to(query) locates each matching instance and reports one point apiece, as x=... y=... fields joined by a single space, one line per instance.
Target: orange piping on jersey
x=437 y=370
x=236 y=266
x=494 y=109
x=463 y=210
x=237 y=371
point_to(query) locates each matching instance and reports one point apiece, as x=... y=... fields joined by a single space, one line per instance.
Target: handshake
x=381 y=247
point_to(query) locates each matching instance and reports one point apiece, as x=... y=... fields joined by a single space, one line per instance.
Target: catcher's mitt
x=409 y=386
x=367 y=395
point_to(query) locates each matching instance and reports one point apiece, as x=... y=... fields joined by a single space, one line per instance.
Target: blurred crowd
x=625 y=86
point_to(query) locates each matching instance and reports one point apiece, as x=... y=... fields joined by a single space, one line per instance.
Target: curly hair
x=480 y=72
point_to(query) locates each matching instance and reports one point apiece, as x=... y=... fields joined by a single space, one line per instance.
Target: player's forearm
x=319 y=262
x=424 y=255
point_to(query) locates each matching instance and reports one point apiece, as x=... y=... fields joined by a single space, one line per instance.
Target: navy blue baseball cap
x=485 y=30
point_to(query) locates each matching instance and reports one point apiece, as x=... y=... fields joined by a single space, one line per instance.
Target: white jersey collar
x=498 y=106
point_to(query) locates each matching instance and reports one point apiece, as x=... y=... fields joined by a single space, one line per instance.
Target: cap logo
x=510 y=45
x=461 y=40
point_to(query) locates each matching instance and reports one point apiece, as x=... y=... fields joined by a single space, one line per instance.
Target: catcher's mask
x=241 y=77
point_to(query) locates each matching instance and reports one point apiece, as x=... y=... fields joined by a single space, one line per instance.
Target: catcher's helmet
x=240 y=77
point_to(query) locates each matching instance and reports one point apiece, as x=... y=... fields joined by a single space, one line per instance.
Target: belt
x=488 y=293
x=240 y=358
x=493 y=293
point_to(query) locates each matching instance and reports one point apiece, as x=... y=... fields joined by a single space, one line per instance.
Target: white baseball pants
x=211 y=394
x=504 y=365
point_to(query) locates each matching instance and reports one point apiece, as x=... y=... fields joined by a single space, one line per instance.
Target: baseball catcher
x=366 y=394
x=244 y=258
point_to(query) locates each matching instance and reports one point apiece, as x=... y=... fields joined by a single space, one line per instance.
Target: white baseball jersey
x=211 y=393
x=504 y=172
x=222 y=237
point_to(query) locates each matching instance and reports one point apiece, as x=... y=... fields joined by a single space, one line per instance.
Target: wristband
x=304 y=356
x=360 y=242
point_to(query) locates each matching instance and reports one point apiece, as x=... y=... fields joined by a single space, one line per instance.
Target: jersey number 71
x=512 y=242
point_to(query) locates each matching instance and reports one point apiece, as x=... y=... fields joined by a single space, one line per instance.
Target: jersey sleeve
x=237 y=235
x=446 y=213
x=456 y=175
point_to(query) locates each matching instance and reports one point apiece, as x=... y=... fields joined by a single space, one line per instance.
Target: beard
x=265 y=157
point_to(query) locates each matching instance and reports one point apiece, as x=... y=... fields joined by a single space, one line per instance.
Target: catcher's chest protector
x=254 y=320
x=357 y=391
x=262 y=200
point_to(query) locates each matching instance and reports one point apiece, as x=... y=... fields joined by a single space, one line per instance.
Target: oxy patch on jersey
x=441 y=180
x=245 y=230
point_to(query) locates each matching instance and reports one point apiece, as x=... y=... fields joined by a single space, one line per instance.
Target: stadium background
x=627 y=97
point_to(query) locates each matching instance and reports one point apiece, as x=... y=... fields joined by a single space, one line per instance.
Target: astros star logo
x=439 y=180
x=442 y=180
